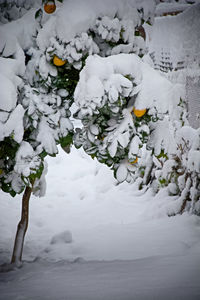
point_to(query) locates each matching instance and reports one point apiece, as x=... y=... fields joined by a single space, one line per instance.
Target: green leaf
x=37 y=174
x=67 y=140
x=13 y=193
x=43 y=154
x=162 y=154
x=7 y=189
x=38 y=13
x=36 y=92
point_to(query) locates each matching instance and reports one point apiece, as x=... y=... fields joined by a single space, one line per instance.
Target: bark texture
x=21 y=228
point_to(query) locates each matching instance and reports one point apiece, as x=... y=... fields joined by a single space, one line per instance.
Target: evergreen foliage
x=137 y=137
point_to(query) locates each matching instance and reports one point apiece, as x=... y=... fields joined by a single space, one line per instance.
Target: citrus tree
x=39 y=72
x=85 y=58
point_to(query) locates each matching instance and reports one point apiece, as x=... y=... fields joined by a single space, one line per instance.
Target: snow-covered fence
x=174 y=39
x=163 y=61
x=193 y=100
x=174 y=46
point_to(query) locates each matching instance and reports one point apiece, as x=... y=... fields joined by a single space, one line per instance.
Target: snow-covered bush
x=48 y=56
x=89 y=56
x=181 y=172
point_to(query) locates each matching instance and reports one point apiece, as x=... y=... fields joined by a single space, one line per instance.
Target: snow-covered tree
x=41 y=59
x=83 y=59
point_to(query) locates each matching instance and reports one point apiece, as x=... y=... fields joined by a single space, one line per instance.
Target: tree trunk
x=21 y=228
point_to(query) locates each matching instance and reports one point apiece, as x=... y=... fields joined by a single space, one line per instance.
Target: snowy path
x=150 y=278
x=93 y=239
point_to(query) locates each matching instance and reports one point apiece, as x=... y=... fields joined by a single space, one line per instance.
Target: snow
x=104 y=75
x=194 y=161
x=7 y=93
x=108 y=281
x=10 y=70
x=178 y=38
x=63 y=237
x=14 y=125
x=16 y=33
x=121 y=173
x=90 y=238
x=65 y=26
x=46 y=137
x=26 y=162
x=163 y=8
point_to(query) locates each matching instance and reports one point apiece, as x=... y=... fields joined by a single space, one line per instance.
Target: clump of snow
x=63 y=237
x=13 y=10
x=26 y=160
x=103 y=73
x=10 y=72
x=46 y=138
x=7 y=93
x=65 y=26
x=14 y=125
x=40 y=184
x=19 y=32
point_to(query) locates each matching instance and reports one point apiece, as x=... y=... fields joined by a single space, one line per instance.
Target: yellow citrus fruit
x=1 y=171
x=49 y=7
x=100 y=137
x=139 y=112
x=58 y=61
x=134 y=162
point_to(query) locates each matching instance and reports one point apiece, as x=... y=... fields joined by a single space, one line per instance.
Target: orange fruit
x=139 y=112
x=134 y=162
x=100 y=137
x=49 y=7
x=58 y=61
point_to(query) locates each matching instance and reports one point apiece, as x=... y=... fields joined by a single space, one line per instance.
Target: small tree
x=94 y=65
x=43 y=84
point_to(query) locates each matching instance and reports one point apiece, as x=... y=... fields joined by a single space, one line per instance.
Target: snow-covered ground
x=91 y=239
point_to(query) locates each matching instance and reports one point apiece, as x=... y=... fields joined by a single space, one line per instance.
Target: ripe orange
x=58 y=61
x=139 y=112
x=134 y=162
x=49 y=7
x=100 y=137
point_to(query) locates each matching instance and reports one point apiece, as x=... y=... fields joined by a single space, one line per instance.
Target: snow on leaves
x=120 y=134
x=14 y=125
x=26 y=160
x=100 y=72
x=108 y=90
